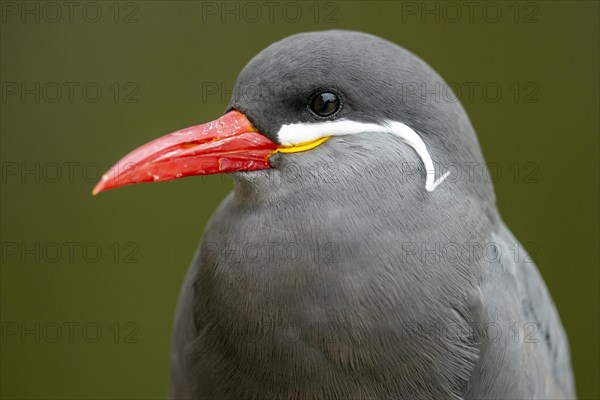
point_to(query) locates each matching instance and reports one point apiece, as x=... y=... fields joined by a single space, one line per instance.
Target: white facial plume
x=294 y=134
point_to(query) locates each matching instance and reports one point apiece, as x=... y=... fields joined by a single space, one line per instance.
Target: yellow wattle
x=302 y=146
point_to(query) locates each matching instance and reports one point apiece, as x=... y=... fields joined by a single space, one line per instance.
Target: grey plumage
x=316 y=278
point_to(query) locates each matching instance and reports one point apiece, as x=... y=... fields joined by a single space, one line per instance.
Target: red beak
x=228 y=144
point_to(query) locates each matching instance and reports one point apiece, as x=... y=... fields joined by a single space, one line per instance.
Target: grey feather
x=315 y=279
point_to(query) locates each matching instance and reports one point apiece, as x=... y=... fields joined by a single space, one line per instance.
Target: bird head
x=323 y=97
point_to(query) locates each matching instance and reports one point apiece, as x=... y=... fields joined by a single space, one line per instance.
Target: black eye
x=325 y=104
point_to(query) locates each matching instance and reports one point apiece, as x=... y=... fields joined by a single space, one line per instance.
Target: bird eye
x=325 y=104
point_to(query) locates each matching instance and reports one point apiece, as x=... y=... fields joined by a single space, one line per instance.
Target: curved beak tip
x=97 y=189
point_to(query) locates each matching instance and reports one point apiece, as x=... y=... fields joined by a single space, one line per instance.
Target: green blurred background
x=89 y=284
